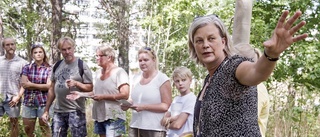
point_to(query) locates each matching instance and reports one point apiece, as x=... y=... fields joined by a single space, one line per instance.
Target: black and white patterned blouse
x=228 y=108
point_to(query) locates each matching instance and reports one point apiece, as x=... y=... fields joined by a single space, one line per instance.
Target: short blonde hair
x=64 y=40
x=151 y=53
x=201 y=22
x=182 y=72
x=247 y=50
x=4 y=39
x=108 y=51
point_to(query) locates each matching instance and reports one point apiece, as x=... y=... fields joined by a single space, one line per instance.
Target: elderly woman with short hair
x=227 y=103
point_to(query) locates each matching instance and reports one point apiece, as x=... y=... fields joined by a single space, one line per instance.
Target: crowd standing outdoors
x=111 y=84
x=68 y=76
x=10 y=71
x=35 y=83
x=227 y=103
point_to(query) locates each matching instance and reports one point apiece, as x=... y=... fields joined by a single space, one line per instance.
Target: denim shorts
x=12 y=112
x=75 y=120
x=32 y=112
x=110 y=127
x=35 y=112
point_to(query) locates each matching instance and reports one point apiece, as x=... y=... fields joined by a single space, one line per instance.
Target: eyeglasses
x=211 y=15
x=100 y=56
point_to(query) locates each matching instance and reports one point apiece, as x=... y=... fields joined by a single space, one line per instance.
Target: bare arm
x=50 y=98
x=84 y=87
x=178 y=121
x=16 y=99
x=123 y=94
x=242 y=22
x=166 y=99
x=81 y=86
x=253 y=73
x=164 y=119
x=31 y=86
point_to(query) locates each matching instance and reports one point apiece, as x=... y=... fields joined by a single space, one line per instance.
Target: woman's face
x=38 y=54
x=101 y=58
x=209 y=44
x=146 y=62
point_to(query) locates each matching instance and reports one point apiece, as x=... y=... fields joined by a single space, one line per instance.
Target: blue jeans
x=110 y=127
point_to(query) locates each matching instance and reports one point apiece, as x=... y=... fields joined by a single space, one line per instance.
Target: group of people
x=227 y=105
x=30 y=81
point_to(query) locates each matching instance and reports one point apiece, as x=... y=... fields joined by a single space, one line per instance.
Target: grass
x=5 y=131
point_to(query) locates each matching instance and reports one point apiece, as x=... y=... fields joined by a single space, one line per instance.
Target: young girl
x=36 y=82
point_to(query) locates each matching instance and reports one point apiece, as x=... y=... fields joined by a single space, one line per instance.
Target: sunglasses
x=211 y=15
x=149 y=49
x=36 y=45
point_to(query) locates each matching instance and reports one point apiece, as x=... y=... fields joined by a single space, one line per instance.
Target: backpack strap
x=56 y=66
x=80 y=66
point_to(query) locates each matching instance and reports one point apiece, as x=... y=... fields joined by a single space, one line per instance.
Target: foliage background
x=293 y=87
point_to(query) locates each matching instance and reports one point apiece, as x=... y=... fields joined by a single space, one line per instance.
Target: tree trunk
x=119 y=13
x=56 y=29
x=1 y=36
x=242 y=22
x=123 y=35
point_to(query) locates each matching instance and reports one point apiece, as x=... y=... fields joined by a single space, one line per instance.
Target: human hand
x=137 y=108
x=45 y=116
x=126 y=105
x=14 y=101
x=71 y=83
x=74 y=95
x=124 y=108
x=163 y=121
x=98 y=97
x=283 y=35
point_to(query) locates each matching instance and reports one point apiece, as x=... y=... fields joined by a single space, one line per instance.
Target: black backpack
x=80 y=66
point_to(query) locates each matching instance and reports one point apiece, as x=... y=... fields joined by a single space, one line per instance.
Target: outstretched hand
x=73 y=95
x=283 y=35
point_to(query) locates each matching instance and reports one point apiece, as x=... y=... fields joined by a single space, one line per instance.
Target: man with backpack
x=70 y=74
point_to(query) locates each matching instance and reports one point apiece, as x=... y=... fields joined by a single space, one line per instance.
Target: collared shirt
x=37 y=75
x=10 y=72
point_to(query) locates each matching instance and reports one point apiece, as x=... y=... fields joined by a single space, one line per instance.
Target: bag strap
x=56 y=66
x=80 y=66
